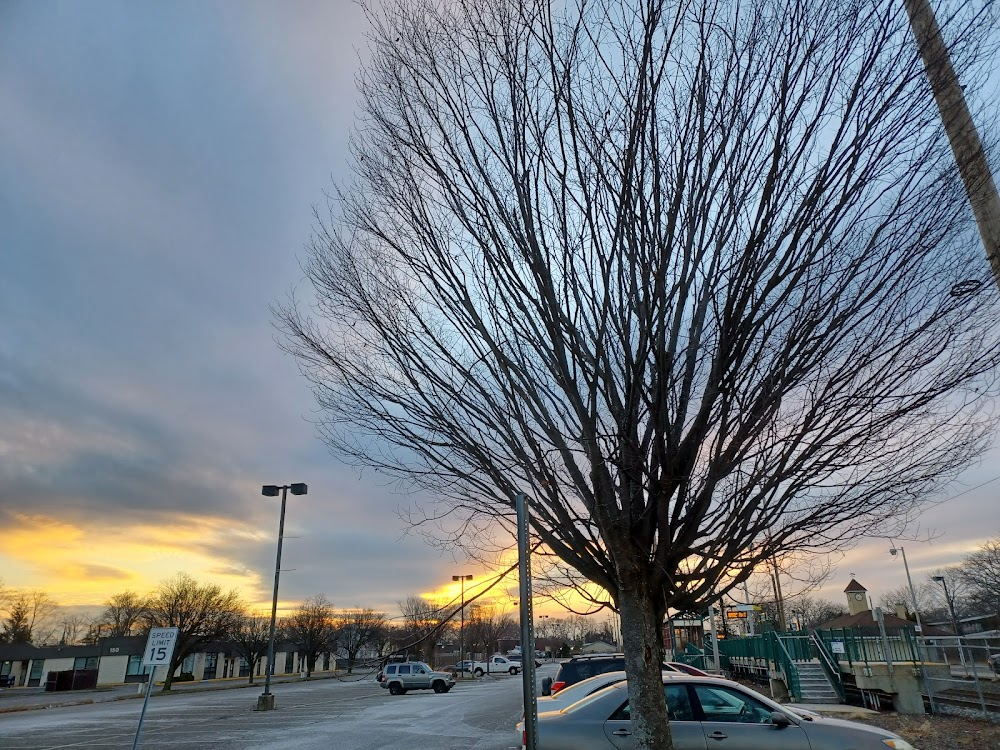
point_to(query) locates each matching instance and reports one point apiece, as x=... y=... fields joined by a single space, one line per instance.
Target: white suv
x=414 y=675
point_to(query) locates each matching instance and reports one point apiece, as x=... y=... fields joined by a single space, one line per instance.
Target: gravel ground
x=939 y=732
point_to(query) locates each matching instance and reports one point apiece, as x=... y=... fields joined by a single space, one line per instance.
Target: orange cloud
x=85 y=564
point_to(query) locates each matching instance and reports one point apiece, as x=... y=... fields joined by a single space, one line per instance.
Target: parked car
x=495 y=665
x=587 y=665
x=688 y=669
x=516 y=658
x=414 y=675
x=705 y=711
x=465 y=666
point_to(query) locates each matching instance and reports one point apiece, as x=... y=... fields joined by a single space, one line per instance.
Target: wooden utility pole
x=958 y=124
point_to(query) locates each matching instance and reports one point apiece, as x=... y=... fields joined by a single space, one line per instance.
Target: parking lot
x=358 y=715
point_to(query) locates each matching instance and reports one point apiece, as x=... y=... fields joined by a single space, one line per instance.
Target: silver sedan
x=706 y=712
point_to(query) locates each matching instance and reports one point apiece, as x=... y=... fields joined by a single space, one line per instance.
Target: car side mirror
x=780 y=720
x=547 y=686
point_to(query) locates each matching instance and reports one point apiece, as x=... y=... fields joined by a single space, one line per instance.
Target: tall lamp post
x=909 y=581
x=461 y=628
x=265 y=702
x=916 y=613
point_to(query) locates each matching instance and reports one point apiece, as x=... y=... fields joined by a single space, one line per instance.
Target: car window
x=419 y=670
x=405 y=669
x=390 y=669
x=725 y=704
x=678 y=705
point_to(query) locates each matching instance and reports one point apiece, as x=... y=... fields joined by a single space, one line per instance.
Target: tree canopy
x=693 y=275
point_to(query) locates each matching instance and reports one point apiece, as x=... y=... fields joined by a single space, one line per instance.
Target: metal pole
x=461 y=629
x=527 y=627
x=142 y=714
x=920 y=633
x=274 y=598
x=715 y=639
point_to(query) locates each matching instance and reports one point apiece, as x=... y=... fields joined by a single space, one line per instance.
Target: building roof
x=854 y=586
x=867 y=620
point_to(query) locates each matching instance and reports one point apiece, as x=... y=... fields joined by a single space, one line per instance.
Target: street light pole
x=916 y=614
x=909 y=581
x=265 y=702
x=461 y=629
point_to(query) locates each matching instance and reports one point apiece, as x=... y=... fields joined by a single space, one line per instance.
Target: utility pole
x=962 y=135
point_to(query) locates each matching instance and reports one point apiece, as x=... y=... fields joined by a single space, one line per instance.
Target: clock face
x=859 y=596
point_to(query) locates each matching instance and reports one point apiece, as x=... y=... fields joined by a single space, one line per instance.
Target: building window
x=211 y=666
x=85 y=662
x=289 y=662
x=135 y=666
x=244 y=667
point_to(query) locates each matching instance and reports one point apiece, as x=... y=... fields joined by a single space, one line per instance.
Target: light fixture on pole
x=461 y=630
x=265 y=702
x=951 y=604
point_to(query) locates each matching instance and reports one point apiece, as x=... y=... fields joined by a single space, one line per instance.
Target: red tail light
x=557 y=686
x=524 y=738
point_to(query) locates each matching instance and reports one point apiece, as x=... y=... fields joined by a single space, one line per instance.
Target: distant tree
x=957 y=604
x=485 y=626
x=16 y=626
x=122 y=614
x=357 y=628
x=31 y=617
x=73 y=629
x=980 y=572
x=251 y=637
x=901 y=595
x=201 y=612
x=310 y=627
x=421 y=625
x=814 y=612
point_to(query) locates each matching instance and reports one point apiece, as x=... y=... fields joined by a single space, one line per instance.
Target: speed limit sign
x=159 y=647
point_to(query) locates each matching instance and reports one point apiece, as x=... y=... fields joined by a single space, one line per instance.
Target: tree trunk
x=642 y=640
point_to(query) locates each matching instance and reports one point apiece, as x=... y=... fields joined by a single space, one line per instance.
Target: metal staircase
x=814 y=687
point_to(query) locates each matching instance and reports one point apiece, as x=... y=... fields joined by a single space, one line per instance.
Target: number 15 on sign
x=159 y=647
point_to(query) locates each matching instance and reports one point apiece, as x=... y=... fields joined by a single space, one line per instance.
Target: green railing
x=856 y=646
x=786 y=664
x=830 y=667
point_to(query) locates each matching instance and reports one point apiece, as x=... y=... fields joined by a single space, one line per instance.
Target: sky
x=158 y=167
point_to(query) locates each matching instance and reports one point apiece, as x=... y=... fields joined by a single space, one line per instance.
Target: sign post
x=158 y=653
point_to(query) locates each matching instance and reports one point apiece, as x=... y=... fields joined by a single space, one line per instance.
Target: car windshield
x=596 y=695
x=575 y=692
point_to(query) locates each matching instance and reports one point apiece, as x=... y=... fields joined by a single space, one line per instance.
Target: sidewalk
x=35 y=698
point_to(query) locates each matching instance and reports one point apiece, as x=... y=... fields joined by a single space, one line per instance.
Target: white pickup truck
x=494 y=665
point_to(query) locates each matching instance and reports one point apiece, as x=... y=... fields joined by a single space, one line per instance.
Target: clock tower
x=857 y=599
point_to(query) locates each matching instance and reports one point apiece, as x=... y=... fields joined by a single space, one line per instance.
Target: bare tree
x=956 y=603
x=201 y=612
x=980 y=572
x=485 y=625
x=251 y=636
x=422 y=621
x=122 y=613
x=901 y=595
x=683 y=271
x=73 y=629
x=31 y=617
x=357 y=628
x=311 y=628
